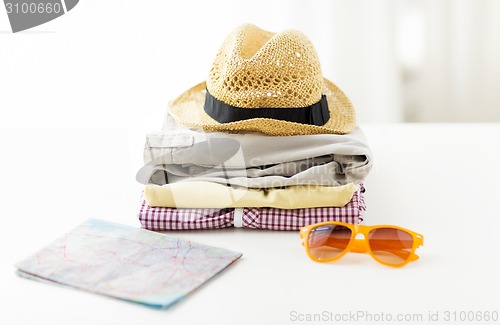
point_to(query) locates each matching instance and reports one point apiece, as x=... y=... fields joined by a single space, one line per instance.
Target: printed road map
x=127 y=263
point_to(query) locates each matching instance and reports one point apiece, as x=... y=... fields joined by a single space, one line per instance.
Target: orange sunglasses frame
x=360 y=245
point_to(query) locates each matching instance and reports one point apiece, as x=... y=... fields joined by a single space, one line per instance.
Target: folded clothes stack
x=266 y=142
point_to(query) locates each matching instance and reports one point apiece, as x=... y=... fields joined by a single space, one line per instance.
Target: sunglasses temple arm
x=303 y=231
x=420 y=242
x=360 y=246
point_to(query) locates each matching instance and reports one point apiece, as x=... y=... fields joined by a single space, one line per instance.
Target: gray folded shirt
x=254 y=160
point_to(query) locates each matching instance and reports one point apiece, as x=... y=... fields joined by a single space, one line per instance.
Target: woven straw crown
x=260 y=69
x=266 y=71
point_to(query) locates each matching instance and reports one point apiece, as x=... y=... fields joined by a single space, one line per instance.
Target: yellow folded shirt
x=202 y=194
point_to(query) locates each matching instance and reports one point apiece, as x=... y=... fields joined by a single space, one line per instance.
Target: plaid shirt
x=162 y=218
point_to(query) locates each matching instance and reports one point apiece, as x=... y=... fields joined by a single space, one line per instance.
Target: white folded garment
x=254 y=160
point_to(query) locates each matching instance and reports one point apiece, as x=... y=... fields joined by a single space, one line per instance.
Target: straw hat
x=269 y=83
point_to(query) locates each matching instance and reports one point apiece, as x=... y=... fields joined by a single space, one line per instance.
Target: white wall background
x=456 y=75
x=118 y=63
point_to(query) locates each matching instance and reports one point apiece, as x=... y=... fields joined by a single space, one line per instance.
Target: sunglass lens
x=389 y=245
x=328 y=241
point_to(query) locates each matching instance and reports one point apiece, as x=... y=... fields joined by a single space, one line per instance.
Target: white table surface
x=440 y=180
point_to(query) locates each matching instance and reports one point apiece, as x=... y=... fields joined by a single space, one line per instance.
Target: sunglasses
x=389 y=245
